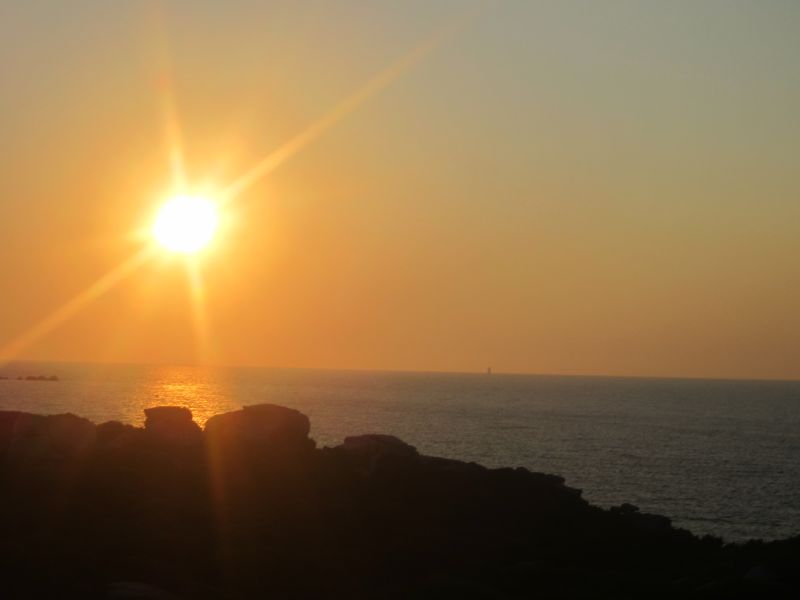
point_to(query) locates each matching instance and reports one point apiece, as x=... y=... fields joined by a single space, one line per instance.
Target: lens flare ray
x=346 y=106
x=33 y=334
x=197 y=299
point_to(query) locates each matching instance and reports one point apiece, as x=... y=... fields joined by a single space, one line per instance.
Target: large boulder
x=261 y=425
x=171 y=425
x=55 y=436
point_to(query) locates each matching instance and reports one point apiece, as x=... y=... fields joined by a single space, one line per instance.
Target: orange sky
x=556 y=189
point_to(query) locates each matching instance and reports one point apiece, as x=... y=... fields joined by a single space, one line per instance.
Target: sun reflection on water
x=205 y=392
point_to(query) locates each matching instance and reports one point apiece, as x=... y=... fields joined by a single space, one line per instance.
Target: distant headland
x=249 y=507
x=32 y=378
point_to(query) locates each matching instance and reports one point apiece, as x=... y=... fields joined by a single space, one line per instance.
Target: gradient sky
x=562 y=187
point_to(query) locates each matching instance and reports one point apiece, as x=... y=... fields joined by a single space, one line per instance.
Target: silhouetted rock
x=69 y=434
x=40 y=378
x=625 y=509
x=370 y=451
x=116 y=434
x=642 y=521
x=172 y=425
x=13 y=424
x=373 y=444
x=54 y=436
x=260 y=425
x=249 y=508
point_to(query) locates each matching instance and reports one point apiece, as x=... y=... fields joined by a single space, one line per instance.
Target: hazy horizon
x=268 y=367
x=567 y=189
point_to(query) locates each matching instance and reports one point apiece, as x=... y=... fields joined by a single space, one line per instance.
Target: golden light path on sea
x=232 y=191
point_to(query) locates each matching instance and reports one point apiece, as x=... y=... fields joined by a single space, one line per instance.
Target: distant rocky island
x=32 y=377
x=249 y=507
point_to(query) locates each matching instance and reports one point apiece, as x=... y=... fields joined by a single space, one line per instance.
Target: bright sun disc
x=186 y=224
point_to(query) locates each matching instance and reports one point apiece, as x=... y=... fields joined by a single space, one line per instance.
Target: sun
x=186 y=224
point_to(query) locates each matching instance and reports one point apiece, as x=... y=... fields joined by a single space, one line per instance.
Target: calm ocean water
x=719 y=457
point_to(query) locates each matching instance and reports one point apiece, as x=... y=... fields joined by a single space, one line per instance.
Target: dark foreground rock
x=250 y=508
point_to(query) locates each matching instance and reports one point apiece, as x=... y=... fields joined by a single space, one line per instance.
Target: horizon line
x=409 y=371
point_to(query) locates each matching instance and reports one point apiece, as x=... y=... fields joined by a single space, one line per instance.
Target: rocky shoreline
x=249 y=507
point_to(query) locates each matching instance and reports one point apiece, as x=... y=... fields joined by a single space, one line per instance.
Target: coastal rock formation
x=172 y=425
x=368 y=452
x=53 y=436
x=643 y=521
x=116 y=434
x=261 y=425
x=375 y=445
x=250 y=508
x=41 y=378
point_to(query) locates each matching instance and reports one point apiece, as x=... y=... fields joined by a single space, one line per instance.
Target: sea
x=719 y=457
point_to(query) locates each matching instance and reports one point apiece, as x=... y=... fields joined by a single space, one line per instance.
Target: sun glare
x=186 y=224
